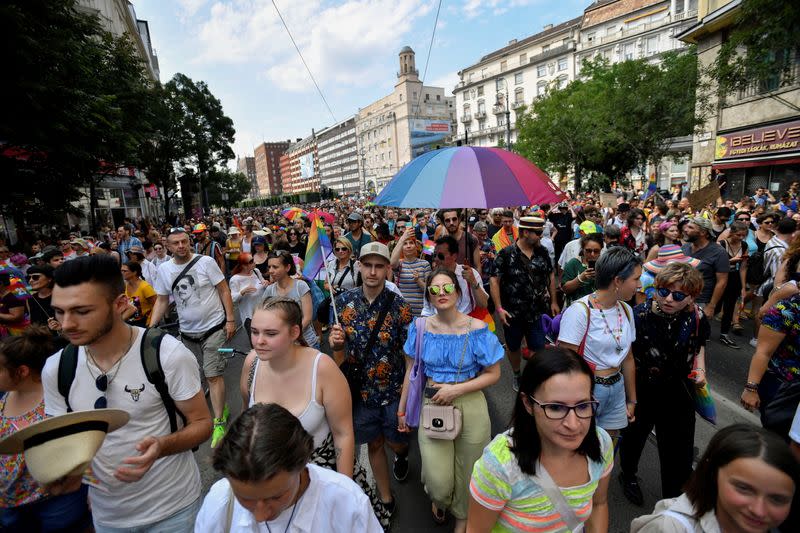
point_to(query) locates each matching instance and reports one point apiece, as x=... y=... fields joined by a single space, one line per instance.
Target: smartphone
x=430 y=392
x=591 y=264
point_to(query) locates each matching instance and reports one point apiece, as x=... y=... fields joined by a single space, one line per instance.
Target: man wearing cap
x=356 y=234
x=376 y=374
x=125 y=241
x=149 y=270
x=524 y=288
x=573 y=247
x=714 y=263
x=205 y=245
x=80 y=247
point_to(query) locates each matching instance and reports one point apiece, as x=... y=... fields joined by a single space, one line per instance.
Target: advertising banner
x=426 y=134
x=307 y=166
x=775 y=139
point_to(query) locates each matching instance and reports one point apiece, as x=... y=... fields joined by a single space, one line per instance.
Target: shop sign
x=774 y=139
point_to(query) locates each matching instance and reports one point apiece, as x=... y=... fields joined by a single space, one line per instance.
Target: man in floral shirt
x=375 y=375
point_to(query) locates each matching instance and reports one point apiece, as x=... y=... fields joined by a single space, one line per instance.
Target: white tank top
x=313 y=417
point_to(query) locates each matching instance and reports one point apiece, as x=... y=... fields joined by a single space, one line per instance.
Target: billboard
x=307 y=166
x=426 y=134
x=778 y=138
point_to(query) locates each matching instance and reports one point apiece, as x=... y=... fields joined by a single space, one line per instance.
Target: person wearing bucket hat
x=669 y=253
x=26 y=505
x=714 y=264
x=147 y=477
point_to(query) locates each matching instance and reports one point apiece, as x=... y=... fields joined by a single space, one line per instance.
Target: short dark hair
x=50 y=253
x=617 y=262
x=450 y=242
x=31 y=349
x=612 y=231
x=134 y=267
x=547 y=363
x=592 y=237
x=100 y=269
x=736 y=442
x=724 y=212
x=737 y=226
x=786 y=226
x=443 y=272
x=285 y=258
x=441 y=212
x=508 y=214
x=263 y=441
x=633 y=214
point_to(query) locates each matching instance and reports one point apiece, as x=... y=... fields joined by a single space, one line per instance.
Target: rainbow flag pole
x=318 y=247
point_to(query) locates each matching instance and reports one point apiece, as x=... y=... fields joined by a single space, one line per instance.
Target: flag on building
x=501 y=239
x=317 y=249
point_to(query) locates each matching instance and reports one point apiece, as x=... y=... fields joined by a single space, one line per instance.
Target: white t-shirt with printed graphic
x=196 y=298
x=173 y=482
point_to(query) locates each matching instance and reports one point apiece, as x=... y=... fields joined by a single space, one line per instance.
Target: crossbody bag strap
x=464 y=350
x=381 y=317
x=558 y=500
x=582 y=345
x=185 y=271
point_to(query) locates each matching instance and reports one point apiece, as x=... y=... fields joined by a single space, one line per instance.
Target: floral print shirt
x=17 y=487
x=384 y=368
x=784 y=318
x=524 y=282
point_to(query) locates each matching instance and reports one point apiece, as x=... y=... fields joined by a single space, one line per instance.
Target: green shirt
x=572 y=270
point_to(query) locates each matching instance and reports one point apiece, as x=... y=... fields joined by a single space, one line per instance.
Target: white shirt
x=571 y=250
x=332 y=503
x=601 y=347
x=150 y=272
x=466 y=302
x=196 y=299
x=246 y=304
x=173 y=482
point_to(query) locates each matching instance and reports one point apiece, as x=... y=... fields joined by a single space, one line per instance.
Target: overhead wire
x=428 y=58
x=286 y=27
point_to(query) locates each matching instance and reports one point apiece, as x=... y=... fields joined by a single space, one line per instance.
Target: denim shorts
x=611 y=413
x=532 y=332
x=369 y=423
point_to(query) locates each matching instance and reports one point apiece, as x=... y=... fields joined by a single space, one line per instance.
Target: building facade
x=337 y=148
x=402 y=125
x=300 y=167
x=268 y=170
x=752 y=136
x=247 y=166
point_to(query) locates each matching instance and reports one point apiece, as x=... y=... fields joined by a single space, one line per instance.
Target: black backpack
x=756 y=271
x=151 y=362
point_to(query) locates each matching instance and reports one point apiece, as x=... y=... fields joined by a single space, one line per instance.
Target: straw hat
x=63 y=445
x=669 y=253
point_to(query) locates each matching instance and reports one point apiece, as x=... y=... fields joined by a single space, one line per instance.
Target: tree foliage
x=614 y=118
x=761 y=47
x=226 y=188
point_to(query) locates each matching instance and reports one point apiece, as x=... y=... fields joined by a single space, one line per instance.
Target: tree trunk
x=92 y=204
x=578 y=173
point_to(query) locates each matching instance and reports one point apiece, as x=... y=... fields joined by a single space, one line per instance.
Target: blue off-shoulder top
x=442 y=353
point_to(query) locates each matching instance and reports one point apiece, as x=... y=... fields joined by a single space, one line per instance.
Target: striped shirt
x=498 y=483
x=412 y=293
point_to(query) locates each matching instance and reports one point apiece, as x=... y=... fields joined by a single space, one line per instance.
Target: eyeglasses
x=559 y=411
x=436 y=290
x=340 y=249
x=537 y=231
x=676 y=295
x=768 y=221
x=102 y=385
x=455 y=219
x=743 y=219
x=173 y=231
x=33 y=277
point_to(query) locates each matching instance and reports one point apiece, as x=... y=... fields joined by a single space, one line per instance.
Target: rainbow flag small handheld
x=428 y=247
x=704 y=403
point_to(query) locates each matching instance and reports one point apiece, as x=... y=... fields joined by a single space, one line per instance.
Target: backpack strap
x=151 y=362
x=582 y=345
x=67 y=366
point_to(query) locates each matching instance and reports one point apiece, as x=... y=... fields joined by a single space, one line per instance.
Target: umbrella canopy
x=326 y=217
x=293 y=212
x=469 y=176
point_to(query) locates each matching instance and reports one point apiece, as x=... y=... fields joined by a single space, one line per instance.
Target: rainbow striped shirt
x=498 y=483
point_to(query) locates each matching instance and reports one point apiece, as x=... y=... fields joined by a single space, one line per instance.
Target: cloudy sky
x=242 y=51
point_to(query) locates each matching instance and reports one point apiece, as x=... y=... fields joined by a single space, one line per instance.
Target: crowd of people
x=604 y=313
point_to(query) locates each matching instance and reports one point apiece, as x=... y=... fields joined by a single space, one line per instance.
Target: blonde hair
x=289 y=309
x=685 y=275
x=344 y=241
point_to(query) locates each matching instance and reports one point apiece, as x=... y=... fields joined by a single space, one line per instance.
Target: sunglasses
x=102 y=385
x=173 y=231
x=436 y=290
x=537 y=231
x=744 y=219
x=33 y=277
x=451 y=220
x=768 y=221
x=340 y=249
x=676 y=295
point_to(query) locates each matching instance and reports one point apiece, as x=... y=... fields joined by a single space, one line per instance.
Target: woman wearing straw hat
x=233 y=246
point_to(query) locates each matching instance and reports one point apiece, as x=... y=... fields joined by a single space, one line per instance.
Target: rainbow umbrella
x=326 y=216
x=469 y=176
x=18 y=287
x=293 y=212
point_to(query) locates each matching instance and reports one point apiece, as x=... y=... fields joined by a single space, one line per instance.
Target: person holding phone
x=578 y=278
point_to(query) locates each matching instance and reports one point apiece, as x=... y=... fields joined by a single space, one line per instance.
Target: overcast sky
x=242 y=51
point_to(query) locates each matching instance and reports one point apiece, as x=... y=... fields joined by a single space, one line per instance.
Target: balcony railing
x=517 y=104
x=466 y=118
x=498 y=109
x=786 y=78
x=480 y=114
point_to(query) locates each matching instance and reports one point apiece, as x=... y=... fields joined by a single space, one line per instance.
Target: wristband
x=228 y=321
x=698 y=369
x=751 y=386
x=401 y=414
x=501 y=309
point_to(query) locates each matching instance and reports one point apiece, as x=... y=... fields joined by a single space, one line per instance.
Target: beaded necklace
x=618 y=335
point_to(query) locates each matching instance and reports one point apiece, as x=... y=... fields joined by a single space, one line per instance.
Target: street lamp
x=507 y=113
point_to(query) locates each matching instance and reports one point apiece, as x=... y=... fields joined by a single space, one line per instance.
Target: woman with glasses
x=412 y=271
x=552 y=451
x=141 y=295
x=282 y=270
x=296 y=245
x=342 y=269
x=247 y=287
x=600 y=327
x=669 y=351
x=260 y=255
x=738 y=255
x=578 y=278
x=462 y=357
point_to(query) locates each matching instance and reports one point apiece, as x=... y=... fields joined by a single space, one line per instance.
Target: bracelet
x=631 y=401
x=401 y=414
x=751 y=386
x=698 y=369
x=227 y=321
x=578 y=277
x=500 y=309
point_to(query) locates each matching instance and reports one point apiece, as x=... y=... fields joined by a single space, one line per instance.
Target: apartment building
x=267 y=157
x=337 y=150
x=247 y=166
x=300 y=167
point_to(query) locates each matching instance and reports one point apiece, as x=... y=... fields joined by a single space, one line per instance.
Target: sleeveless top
x=313 y=417
x=17 y=486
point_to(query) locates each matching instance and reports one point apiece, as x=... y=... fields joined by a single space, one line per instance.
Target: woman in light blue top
x=461 y=359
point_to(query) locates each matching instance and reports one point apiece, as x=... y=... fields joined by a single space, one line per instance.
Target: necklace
x=291 y=516
x=117 y=364
x=617 y=336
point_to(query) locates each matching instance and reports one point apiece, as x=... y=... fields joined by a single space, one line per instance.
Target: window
x=481 y=125
x=611 y=30
x=523 y=58
x=484 y=72
x=545 y=48
x=503 y=65
x=414 y=95
x=562 y=64
x=481 y=106
x=627 y=52
x=519 y=95
x=541 y=87
x=562 y=82
x=480 y=90
x=469 y=77
x=499 y=83
x=501 y=120
x=652 y=45
x=466 y=96
x=590 y=37
x=541 y=70
x=518 y=78
x=438 y=97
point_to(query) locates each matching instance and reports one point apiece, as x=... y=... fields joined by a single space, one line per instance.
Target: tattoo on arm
x=338 y=451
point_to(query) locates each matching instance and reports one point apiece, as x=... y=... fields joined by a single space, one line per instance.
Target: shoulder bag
x=444 y=421
x=416 y=380
x=558 y=500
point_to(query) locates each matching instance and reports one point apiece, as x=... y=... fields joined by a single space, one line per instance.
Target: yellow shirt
x=235 y=247
x=139 y=299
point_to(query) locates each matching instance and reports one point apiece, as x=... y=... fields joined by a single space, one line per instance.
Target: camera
x=437 y=423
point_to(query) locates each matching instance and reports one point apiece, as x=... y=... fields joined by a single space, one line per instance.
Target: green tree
x=761 y=47
x=226 y=188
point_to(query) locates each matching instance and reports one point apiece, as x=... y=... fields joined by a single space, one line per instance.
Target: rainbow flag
x=652 y=187
x=428 y=246
x=704 y=403
x=317 y=249
x=481 y=313
x=501 y=239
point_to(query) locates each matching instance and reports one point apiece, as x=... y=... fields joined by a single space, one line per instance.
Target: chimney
x=512 y=41
x=548 y=27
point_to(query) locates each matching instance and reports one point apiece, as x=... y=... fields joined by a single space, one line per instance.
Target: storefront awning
x=784 y=159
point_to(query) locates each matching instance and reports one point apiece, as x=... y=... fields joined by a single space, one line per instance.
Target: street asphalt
x=726 y=369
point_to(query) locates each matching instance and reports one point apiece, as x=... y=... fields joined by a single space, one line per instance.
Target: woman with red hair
x=247 y=287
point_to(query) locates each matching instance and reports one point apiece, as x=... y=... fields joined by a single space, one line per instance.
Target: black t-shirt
x=493 y=229
x=713 y=259
x=563 y=223
x=41 y=312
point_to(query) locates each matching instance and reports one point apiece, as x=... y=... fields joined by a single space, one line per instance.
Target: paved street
x=727 y=369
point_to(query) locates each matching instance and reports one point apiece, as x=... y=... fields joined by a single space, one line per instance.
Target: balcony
x=498 y=109
x=517 y=104
x=480 y=115
x=553 y=52
x=641 y=28
x=466 y=119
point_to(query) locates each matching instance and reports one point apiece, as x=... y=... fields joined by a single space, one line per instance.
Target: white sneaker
x=753 y=342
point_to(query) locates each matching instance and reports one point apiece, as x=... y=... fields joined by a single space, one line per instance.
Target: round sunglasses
x=436 y=290
x=676 y=295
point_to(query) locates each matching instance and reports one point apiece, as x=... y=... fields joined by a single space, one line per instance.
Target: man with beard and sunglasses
x=147 y=478
x=523 y=288
x=469 y=249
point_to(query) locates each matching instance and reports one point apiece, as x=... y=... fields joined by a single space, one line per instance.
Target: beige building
x=402 y=125
x=752 y=136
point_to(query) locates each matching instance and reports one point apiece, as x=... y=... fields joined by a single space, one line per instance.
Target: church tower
x=408 y=70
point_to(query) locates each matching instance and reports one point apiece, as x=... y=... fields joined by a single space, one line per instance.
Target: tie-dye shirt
x=17 y=486
x=499 y=484
x=784 y=317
